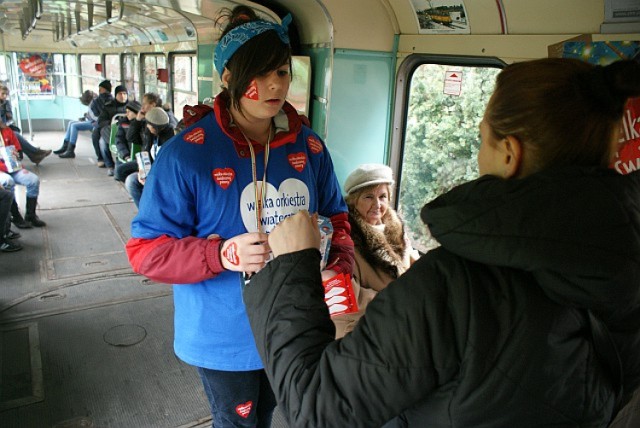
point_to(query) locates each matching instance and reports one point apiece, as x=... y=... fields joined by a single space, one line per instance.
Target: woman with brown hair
x=528 y=314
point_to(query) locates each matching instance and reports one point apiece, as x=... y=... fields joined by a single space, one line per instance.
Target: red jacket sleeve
x=175 y=261
x=341 y=254
x=10 y=139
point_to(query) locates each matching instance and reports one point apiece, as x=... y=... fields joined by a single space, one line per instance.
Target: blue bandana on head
x=235 y=38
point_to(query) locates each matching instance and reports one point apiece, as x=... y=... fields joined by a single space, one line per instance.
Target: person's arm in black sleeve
x=134 y=133
x=387 y=364
x=122 y=145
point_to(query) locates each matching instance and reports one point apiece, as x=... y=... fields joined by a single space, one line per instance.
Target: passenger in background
x=510 y=321
x=35 y=154
x=210 y=200
x=173 y=121
x=123 y=145
x=382 y=248
x=67 y=151
x=8 y=180
x=86 y=123
x=158 y=132
x=115 y=106
x=7 y=236
x=136 y=134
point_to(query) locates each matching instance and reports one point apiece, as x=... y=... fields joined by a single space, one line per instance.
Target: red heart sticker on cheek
x=195 y=136
x=223 y=177
x=244 y=409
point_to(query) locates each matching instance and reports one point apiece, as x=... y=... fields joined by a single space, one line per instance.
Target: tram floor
x=84 y=341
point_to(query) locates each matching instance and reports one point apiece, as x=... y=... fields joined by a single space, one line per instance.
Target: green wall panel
x=360 y=109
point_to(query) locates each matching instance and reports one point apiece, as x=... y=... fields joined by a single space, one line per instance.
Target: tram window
x=151 y=83
x=91 y=77
x=4 y=68
x=300 y=88
x=445 y=107
x=131 y=70
x=112 y=68
x=185 y=82
x=58 y=75
x=71 y=76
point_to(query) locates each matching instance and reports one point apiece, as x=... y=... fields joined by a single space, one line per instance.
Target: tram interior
x=84 y=341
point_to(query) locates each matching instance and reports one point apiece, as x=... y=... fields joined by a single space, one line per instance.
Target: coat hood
x=576 y=230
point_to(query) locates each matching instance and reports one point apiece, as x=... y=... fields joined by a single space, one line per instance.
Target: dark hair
x=565 y=111
x=260 y=55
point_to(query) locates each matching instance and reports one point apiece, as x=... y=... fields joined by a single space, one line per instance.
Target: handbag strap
x=607 y=352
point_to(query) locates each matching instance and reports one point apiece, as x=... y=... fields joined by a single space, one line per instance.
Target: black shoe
x=21 y=223
x=69 y=154
x=34 y=220
x=62 y=149
x=12 y=235
x=9 y=246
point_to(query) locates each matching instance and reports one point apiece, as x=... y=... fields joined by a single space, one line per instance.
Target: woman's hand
x=295 y=233
x=245 y=253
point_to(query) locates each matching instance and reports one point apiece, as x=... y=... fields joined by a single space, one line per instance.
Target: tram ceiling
x=27 y=24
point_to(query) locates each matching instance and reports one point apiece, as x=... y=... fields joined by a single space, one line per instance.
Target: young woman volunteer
x=506 y=323
x=214 y=193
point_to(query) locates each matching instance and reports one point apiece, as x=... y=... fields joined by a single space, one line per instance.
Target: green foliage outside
x=442 y=140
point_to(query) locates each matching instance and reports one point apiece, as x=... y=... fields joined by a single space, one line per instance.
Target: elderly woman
x=382 y=249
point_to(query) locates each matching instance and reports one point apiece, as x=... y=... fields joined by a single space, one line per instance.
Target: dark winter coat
x=489 y=330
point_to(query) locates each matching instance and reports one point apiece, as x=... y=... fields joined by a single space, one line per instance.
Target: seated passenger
x=508 y=322
x=115 y=106
x=123 y=146
x=159 y=131
x=173 y=121
x=67 y=151
x=382 y=248
x=86 y=123
x=8 y=180
x=8 y=243
x=35 y=154
x=136 y=134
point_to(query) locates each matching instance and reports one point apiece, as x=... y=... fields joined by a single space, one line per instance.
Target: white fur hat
x=368 y=174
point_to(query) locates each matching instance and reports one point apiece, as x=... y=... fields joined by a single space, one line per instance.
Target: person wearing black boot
x=35 y=154
x=96 y=106
x=7 y=236
x=10 y=177
x=16 y=217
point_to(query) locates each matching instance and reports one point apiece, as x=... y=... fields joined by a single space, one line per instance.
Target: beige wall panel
x=509 y=48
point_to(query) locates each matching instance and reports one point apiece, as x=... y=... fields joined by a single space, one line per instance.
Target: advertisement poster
x=441 y=16
x=35 y=73
x=602 y=53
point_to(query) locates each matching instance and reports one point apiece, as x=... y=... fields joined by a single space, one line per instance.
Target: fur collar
x=385 y=252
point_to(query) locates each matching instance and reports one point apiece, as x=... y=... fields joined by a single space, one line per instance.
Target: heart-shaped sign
x=34 y=66
x=292 y=196
x=223 y=177
x=297 y=161
x=195 y=136
x=244 y=409
x=314 y=144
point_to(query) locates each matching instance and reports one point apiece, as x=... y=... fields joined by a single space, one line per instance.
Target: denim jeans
x=74 y=127
x=105 y=151
x=24 y=178
x=134 y=188
x=239 y=399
